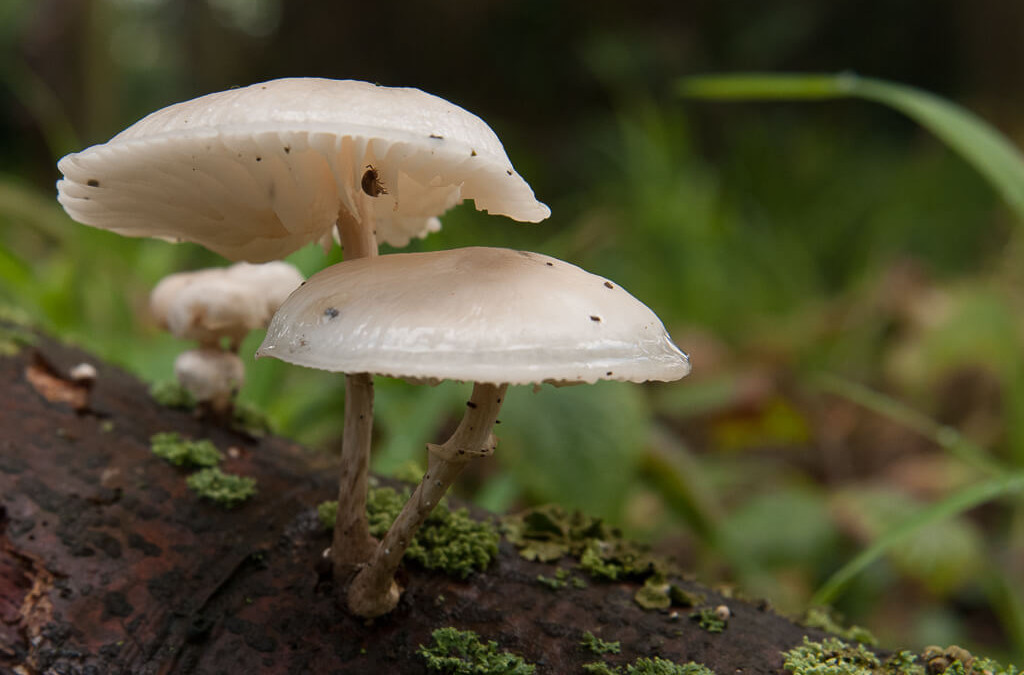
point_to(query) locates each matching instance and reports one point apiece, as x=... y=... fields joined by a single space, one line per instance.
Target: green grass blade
x=974 y=139
x=958 y=503
x=946 y=437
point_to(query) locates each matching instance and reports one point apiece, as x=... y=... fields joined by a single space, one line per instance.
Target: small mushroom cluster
x=256 y=172
x=218 y=307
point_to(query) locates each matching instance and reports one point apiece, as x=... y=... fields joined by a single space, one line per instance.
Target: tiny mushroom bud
x=212 y=376
x=211 y=304
x=84 y=374
x=490 y=316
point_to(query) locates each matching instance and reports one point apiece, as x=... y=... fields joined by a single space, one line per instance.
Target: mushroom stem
x=358 y=236
x=374 y=591
x=352 y=544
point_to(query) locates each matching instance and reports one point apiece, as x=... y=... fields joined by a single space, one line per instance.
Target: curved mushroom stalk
x=352 y=544
x=374 y=591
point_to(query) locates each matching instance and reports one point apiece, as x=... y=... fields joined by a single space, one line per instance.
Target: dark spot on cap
x=608 y=284
x=92 y=182
x=608 y=374
x=287 y=149
x=438 y=136
x=303 y=283
x=594 y=317
x=259 y=159
x=471 y=404
x=331 y=312
x=472 y=153
x=508 y=171
x=550 y=264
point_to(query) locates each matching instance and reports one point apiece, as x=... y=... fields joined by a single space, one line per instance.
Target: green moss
x=548 y=533
x=599 y=646
x=182 y=452
x=831 y=656
x=646 y=666
x=226 y=489
x=172 y=395
x=903 y=663
x=987 y=666
x=818 y=617
x=709 y=620
x=552 y=583
x=955 y=660
x=561 y=579
x=654 y=594
x=327 y=512
x=461 y=652
x=250 y=419
x=659 y=666
x=450 y=541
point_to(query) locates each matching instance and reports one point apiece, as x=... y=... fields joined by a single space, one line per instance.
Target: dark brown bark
x=108 y=564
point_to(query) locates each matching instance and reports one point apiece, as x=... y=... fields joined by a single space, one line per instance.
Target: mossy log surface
x=108 y=564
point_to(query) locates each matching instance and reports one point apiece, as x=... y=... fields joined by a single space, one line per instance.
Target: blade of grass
x=974 y=139
x=956 y=504
x=946 y=437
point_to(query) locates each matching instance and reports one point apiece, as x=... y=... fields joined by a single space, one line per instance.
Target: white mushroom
x=491 y=316
x=257 y=172
x=472 y=314
x=212 y=376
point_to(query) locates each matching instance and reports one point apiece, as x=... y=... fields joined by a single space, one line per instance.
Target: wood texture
x=108 y=564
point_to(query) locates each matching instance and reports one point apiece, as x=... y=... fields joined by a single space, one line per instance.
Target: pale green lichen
x=648 y=666
x=171 y=394
x=955 y=660
x=327 y=512
x=655 y=593
x=817 y=617
x=183 y=452
x=599 y=646
x=461 y=652
x=561 y=579
x=226 y=489
x=547 y=533
x=450 y=541
x=250 y=419
x=832 y=656
x=709 y=619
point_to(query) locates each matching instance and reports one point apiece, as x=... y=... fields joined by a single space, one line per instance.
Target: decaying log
x=109 y=564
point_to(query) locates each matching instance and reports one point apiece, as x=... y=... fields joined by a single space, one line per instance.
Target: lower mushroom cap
x=473 y=314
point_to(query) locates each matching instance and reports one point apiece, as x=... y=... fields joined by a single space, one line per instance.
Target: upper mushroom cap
x=473 y=314
x=257 y=172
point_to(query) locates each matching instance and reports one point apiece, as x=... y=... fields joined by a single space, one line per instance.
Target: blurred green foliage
x=776 y=241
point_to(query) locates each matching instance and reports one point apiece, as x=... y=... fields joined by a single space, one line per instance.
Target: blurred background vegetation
x=848 y=288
